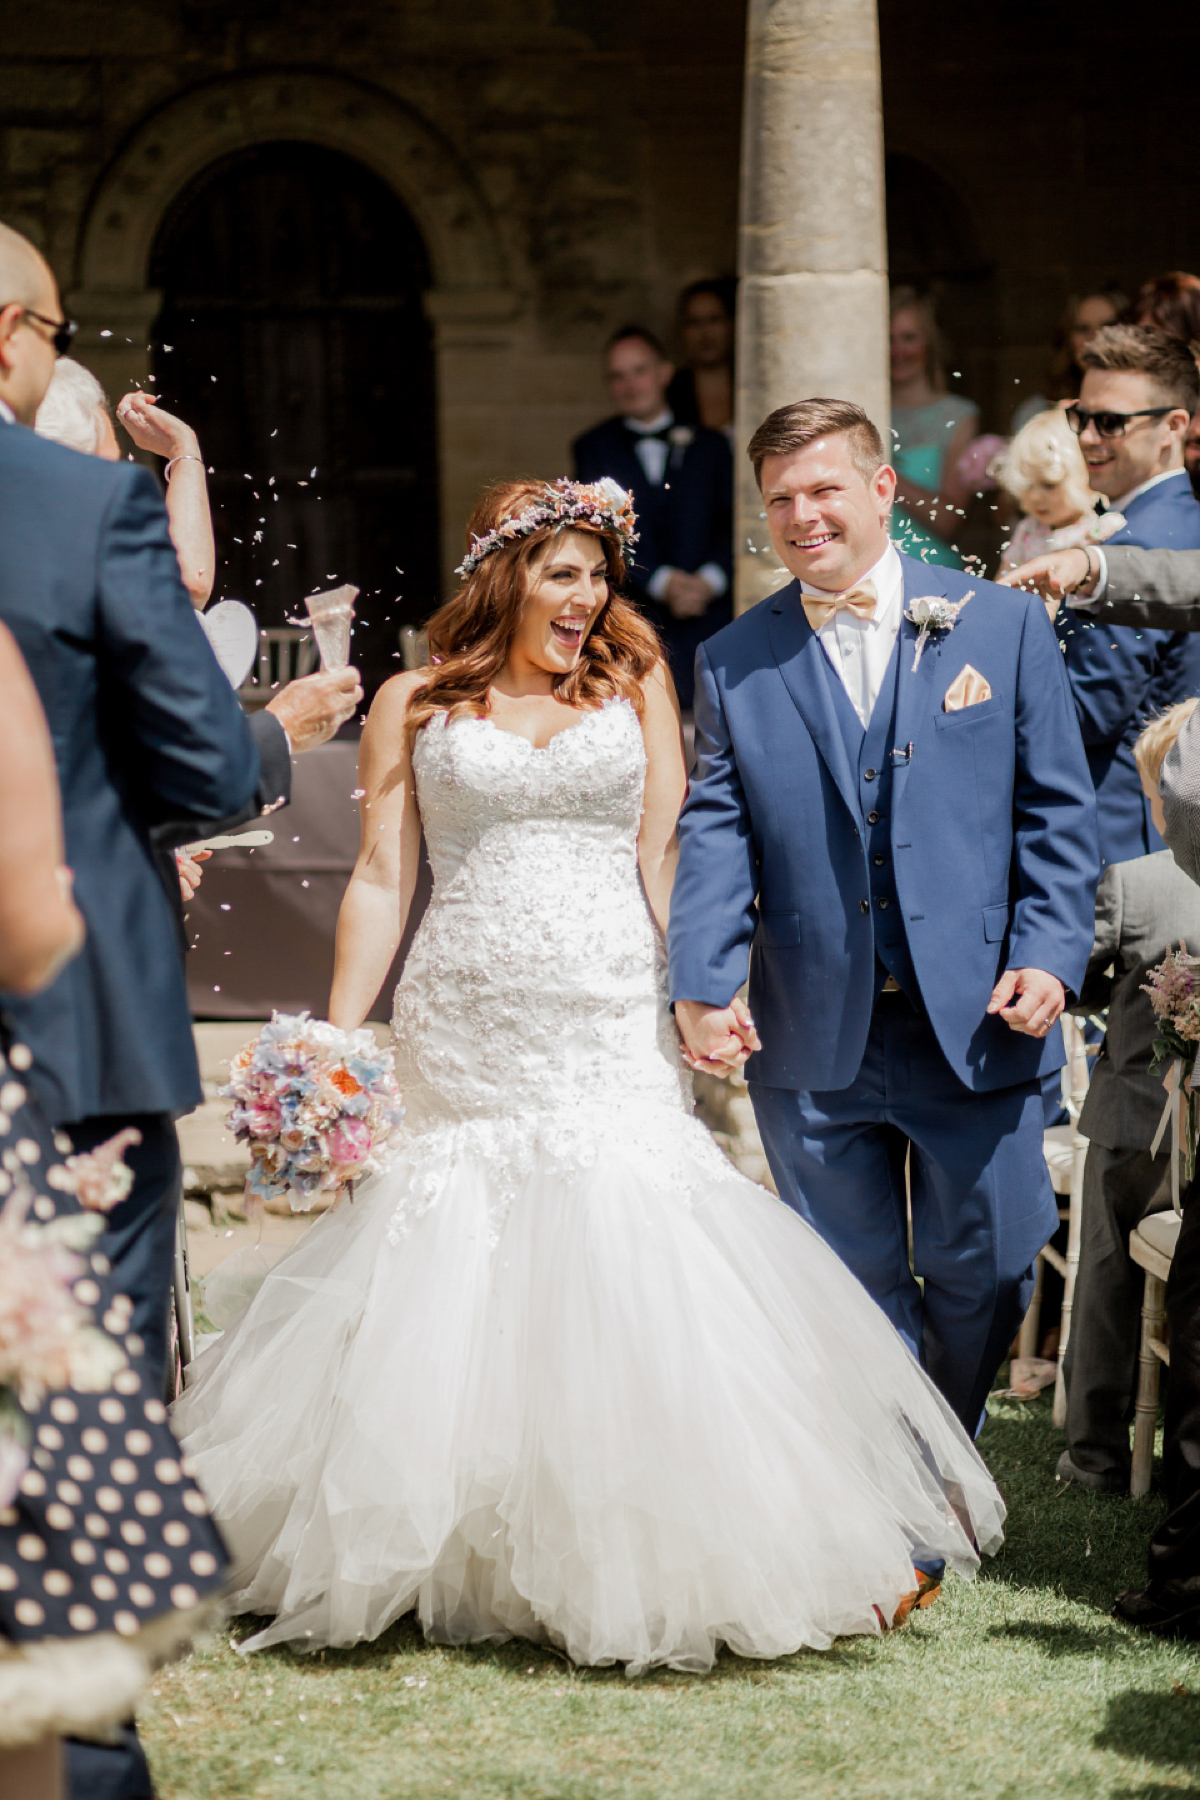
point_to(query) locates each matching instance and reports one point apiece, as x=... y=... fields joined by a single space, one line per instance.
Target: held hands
x=716 y=1039
x=1039 y=999
x=153 y=428
x=1054 y=576
x=312 y=708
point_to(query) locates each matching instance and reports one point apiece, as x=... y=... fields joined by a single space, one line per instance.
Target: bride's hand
x=716 y=1040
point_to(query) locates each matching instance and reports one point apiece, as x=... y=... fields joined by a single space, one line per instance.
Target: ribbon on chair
x=1170 y=1112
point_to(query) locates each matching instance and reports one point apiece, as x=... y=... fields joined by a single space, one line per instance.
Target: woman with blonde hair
x=560 y=1372
x=1043 y=469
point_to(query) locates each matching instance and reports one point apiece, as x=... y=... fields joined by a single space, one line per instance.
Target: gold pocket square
x=967 y=689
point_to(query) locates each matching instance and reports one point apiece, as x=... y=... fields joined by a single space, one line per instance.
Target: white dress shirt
x=6 y=412
x=860 y=649
x=654 y=453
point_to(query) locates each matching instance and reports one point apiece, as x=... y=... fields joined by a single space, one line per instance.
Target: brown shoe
x=924 y=1594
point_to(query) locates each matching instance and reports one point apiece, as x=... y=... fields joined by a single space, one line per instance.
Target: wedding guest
x=1169 y=1603
x=1171 y=303
x=1140 y=389
x=75 y=413
x=1044 y=471
x=701 y=392
x=1144 y=908
x=681 y=477
x=1191 y=453
x=931 y=430
x=1083 y=316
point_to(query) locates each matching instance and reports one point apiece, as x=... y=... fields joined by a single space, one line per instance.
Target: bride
x=560 y=1372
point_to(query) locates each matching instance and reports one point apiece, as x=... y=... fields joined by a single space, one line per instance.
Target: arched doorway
x=293 y=337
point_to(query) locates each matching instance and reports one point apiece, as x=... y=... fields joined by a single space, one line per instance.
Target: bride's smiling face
x=568 y=585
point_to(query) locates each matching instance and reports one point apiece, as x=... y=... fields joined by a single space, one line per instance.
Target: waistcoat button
x=882 y=902
x=864 y=906
x=870 y=774
x=872 y=818
x=879 y=861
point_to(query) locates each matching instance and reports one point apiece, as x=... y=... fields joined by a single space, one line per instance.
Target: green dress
x=920 y=438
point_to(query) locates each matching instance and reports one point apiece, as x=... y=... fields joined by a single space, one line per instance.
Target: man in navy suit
x=897 y=832
x=1140 y=389
x=681 y=477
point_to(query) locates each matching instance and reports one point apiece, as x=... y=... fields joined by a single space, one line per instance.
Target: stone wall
x=572 y=164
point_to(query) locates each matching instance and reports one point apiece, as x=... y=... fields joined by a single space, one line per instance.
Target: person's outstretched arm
x=377 y=900
x=40 y=928
x=1158 y=590
x=153 y=428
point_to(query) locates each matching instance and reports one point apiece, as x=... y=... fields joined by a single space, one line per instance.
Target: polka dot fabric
x=107 y=1530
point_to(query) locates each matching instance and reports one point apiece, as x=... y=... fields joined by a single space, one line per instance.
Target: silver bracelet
x=186 y=457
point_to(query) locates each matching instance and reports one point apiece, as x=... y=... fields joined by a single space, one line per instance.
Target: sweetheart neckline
x=592 y=713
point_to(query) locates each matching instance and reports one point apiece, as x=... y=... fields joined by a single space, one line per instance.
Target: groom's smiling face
x=828 y=522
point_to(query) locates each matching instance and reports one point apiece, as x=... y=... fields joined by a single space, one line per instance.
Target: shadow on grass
x=1162 y=1728
x=1112 y=1642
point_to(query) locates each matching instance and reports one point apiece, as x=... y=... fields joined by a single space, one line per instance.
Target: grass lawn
x=1016 y=1686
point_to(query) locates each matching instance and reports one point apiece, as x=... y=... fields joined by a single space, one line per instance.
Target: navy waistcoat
x=871 y=758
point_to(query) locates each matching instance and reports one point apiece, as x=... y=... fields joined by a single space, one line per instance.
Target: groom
x=898 y=832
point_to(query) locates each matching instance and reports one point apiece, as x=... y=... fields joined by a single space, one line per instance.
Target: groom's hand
x=716 y=1039
x=1028 y=1000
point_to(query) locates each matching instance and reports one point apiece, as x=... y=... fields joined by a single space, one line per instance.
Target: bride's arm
x=666 y=790
x=376 y=903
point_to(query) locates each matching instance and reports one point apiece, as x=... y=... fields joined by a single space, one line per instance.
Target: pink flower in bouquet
x=294 y=1138
x=350 y=1141
x=101 y=1178
x=264 y=1116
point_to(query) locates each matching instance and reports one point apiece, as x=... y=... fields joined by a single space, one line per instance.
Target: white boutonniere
x=933 y=612
x=680 y=436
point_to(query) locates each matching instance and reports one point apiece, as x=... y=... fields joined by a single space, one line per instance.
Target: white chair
x=1151 y=1246
x=284 y=653
x=1065 y=1150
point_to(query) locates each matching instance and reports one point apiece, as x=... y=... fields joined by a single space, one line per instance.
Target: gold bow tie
x=860 y=600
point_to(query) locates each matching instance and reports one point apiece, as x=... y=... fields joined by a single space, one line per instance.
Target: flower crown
x=604 y=504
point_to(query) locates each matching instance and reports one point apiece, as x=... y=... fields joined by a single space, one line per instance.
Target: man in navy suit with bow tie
x=892 y=822
x=681 y=478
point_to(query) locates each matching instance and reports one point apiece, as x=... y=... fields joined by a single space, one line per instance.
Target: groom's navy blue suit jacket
x=147 y=732
x=992 y=832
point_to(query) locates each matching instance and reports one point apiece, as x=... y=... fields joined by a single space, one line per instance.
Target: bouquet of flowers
x=1174 y=990
x=316 y=1105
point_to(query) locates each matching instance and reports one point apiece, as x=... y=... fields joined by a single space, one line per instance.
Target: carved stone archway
x=474 y=303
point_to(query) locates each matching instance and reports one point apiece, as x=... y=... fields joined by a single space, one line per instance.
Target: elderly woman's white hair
x=1046 y=449
x=75 y=409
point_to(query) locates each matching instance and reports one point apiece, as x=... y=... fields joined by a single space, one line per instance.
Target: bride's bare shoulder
x=389 y=709
x=659 y=700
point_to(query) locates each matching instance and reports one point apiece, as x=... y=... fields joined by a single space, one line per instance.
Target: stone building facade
x=493 y=188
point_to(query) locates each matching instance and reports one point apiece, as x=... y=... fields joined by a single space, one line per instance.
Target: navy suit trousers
x=139 y=1235
x=982 y=1205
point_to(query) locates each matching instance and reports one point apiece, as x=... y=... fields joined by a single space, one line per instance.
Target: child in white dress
x=1043 y=469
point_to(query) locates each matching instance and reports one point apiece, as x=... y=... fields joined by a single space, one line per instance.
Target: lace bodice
x=533 y=1001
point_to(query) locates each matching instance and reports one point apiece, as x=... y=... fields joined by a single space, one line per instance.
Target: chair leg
x=1145 y=1415
x=1027 y=1340
x=1074 y=1233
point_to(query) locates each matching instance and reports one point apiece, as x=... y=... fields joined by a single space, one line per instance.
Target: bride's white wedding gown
x=561 y=1372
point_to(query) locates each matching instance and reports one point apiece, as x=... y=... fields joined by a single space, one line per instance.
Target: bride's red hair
x=469 y=636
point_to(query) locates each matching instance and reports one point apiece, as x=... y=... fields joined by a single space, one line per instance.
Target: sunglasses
x=1110 y=424
x=63 y=329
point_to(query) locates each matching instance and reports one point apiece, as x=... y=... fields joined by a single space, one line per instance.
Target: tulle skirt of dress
x=633 y=1417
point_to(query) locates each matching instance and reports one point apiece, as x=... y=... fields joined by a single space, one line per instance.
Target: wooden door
x=293 y=337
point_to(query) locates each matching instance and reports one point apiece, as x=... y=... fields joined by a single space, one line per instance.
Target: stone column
x=812 y=307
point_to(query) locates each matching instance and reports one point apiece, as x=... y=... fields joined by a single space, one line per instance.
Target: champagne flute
x=331 y=616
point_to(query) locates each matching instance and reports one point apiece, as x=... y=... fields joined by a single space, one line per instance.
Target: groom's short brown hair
x=790 y=428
